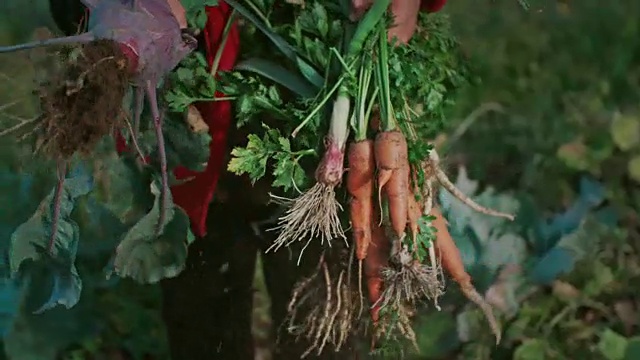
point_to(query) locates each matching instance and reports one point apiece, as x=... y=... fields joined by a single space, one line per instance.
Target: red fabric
x=432 y=6
x=195 y=195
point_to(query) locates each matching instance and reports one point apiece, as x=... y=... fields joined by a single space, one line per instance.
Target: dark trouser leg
x=207 y=308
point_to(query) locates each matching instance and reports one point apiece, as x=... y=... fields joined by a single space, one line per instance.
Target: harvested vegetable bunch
x=317 y=208
x=394 y=98
x=316 y=212
x=407 y=279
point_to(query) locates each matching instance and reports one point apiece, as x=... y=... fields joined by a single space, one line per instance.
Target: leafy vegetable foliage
x=190 y=82
x=293 y=90
x=196 y=15
x=154 y=248
x=54 y=253
x=103 y=204
x=253 y=159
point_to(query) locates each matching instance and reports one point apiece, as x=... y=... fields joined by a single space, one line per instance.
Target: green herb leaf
x=612 y=345
x=288 y=172
x=253 y=159
x=189 y=83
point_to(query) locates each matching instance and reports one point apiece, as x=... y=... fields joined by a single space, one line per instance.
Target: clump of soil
x=82 y=101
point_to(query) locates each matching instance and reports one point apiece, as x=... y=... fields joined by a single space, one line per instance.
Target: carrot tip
x=472 y=294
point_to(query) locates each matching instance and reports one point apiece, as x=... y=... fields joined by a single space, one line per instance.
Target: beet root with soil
x=127 y=41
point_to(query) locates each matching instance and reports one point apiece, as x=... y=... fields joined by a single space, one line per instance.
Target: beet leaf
x=154 y=248
x=34 y=247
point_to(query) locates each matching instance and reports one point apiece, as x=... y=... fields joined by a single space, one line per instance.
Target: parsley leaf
x=189 y=83
x=253 y=159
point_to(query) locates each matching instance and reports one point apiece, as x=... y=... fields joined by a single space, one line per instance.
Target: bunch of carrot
x=388 y=154
x=379 y=176
x=381 y=167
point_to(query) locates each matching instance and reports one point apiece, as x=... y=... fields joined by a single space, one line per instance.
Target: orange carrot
x=360 y=186
x=448 y=251
x=392 y=161
x=414 y=213
x=452 y=263
x=376 y=260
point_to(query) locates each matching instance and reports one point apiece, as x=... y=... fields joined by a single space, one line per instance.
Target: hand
x=405 y=15
x=178 y=11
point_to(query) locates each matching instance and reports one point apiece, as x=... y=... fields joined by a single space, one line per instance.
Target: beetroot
x=147 y=30
x=149 y=37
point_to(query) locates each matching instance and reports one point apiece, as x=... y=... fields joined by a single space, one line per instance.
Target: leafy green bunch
x=285 y=94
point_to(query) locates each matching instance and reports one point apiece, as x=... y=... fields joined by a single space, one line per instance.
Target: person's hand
x=178 y=11
x=405 y=17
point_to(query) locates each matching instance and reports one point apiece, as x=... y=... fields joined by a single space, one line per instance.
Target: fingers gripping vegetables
x=149 y=36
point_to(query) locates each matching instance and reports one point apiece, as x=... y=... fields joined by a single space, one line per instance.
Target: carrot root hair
x=322 y=308
x=313 y=215
x=408 y=281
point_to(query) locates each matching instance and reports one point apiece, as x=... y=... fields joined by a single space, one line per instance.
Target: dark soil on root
x=82 y=101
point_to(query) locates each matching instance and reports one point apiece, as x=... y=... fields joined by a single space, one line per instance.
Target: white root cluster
x=328 y=308
x=313 y=215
